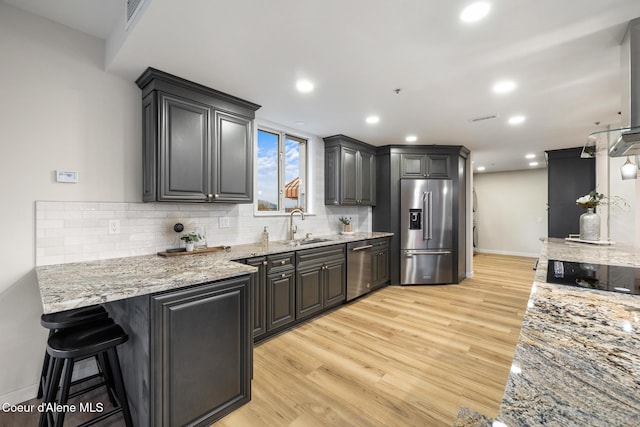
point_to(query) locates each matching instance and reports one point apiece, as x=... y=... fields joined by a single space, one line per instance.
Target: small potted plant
x=190 y=239
x=346 y=224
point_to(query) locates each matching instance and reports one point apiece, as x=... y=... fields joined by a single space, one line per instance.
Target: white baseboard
x=82 y=369
x=469 y=274
x=522 y=254
x=21 y=395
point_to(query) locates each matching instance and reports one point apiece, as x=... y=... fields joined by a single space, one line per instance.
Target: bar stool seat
x=69 y=345
x=67 y=319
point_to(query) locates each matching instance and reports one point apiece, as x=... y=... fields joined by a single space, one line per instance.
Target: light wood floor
x=402 y=356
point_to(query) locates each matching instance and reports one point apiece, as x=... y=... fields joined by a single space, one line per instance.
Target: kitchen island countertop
x=577 y=361
x=73 y=285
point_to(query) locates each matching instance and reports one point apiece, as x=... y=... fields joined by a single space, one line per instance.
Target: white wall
x=512 y=211
x=60 y=110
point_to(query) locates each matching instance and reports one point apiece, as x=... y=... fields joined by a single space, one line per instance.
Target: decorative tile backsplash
x=79 y=231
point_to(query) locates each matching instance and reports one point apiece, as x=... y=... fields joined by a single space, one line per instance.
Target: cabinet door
x=438 y=166
x=367 y=178
x=280 y=299
x=332 y=175
x=259 y=296
x=184 y=149
x=335 y=283
x=413 y=165
x=233 y=165
x=201 y=353
x=309 y=292
x=349 y=176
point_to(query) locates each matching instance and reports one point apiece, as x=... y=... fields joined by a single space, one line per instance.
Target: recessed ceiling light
x=475 y=11
x=372 y=119
x=530 y=156
x=480 y=168
x=516 y=120
x=533 y=163
x=299 y=123
x=304 y=86
x=504 y=86
x=411 y=138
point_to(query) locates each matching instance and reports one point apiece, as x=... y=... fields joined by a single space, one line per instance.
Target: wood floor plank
x=402 y=356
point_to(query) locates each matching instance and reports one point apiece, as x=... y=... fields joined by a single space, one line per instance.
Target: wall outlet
x=114 y=226
x=223 y=222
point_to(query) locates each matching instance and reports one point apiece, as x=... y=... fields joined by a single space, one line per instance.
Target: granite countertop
x=73 y=285
x=577 y=361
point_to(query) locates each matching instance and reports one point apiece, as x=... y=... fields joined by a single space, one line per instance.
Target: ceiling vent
x=133 y=7
x=483 y=118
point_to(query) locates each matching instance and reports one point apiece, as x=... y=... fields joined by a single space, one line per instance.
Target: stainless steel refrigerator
x=426 y=231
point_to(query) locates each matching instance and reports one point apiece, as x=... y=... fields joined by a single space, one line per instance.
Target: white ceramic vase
x=189 y=246
x=590 y=226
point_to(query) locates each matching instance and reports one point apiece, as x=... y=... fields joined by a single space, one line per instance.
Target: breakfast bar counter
x=577 y=361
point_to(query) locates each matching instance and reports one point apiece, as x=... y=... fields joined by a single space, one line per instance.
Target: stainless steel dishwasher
x=358 y=269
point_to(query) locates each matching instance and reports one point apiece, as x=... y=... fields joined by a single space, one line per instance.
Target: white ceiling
x=564 y=56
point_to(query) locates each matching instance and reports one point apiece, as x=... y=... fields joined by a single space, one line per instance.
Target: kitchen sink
x=308 y=241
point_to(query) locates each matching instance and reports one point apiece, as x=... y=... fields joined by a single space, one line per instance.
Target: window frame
x=282 y=134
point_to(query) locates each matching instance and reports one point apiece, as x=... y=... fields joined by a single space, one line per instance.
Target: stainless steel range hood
x=628 y=143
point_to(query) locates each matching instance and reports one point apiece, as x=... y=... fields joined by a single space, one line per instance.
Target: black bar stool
x=67 y=319
x=97 y=339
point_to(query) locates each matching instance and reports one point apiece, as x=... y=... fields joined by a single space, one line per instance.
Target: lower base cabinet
x=189 y=355
x=379 y=263
x=281 y=301
x=320 y=279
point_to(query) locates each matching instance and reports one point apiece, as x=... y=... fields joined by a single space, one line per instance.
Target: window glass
x=281 y=172
x=267 y=171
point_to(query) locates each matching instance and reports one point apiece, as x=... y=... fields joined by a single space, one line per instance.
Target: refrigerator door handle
x=426 y=208
x=410 y=253
x=430 y=215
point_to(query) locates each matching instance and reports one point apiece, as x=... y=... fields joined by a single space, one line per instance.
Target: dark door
x=233 y=175
x=335 y=282
x=569 y=177
x=258 y=296
x=201 y=352
x=367 y=179
x=349 y=177
x=184 y=149
x=280 y=300
x=309 y=292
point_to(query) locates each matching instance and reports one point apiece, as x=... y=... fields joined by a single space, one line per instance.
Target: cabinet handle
x=284 y=276
x=283 y=262
x=216 y=196
x=209 y=197
x=265 y=263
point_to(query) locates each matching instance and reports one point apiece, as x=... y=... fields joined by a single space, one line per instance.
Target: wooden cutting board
x=195 y=251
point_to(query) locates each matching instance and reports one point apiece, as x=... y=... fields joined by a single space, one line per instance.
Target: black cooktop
x=611 y=278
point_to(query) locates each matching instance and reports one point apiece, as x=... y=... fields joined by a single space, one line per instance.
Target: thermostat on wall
x=67 y=176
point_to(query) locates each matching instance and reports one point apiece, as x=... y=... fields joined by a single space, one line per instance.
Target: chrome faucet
x=293 y=229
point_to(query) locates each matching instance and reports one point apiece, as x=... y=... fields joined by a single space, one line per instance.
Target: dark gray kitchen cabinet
x=379 y=262
x=415 y=165
x=569 y=177
x=197 y=142
x=259 y=296
x=281 y=291
x=202 y=353
x=349 y=172
x=320 y=279
x=189 y=355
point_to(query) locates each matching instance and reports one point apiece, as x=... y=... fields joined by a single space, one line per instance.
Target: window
x=281 y=172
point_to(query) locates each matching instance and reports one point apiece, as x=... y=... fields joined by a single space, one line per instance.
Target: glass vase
x=590 y=225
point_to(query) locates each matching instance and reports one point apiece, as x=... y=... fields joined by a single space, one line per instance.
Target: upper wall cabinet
x=424 y=165
x=349 y=174
x=197 y=142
